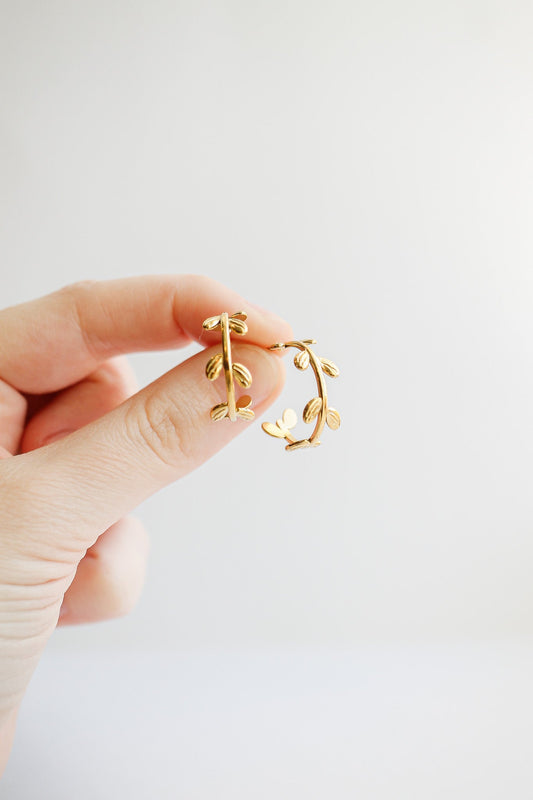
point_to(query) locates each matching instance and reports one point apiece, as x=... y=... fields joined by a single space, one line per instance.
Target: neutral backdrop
x=365 y=170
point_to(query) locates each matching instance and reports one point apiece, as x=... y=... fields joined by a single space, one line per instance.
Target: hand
x=78 y=451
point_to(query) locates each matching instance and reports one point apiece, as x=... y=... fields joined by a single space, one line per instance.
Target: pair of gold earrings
x=317 y=408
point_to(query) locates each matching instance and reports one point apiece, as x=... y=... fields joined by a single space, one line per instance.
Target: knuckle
x=108 y=372
x=114 y=591
x=76 y=297
x=116 y=374
x=118 y=593
x=163 y=425
x=197 y=284
x=75 y=293
x=78 y=287
x=14 y=400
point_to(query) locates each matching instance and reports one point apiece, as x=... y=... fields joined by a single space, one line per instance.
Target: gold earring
x=231 y=409
x=317 y=408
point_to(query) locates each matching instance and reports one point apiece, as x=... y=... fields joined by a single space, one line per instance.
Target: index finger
x=56 y=340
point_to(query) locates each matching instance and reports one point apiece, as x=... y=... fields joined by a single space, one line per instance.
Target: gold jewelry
x=232 y=370
x=317 y=407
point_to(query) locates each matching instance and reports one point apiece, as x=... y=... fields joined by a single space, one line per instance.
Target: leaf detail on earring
x=237 y=325
x=213 y=367
x=312 y=408
x=243 y=409
x=245 y=413
x=273 y=430
x=219 y=412
x=211 y=323
x=289 y=418
x=329 y=367
x=333 y=419
x=301 y=359
x=242 y=375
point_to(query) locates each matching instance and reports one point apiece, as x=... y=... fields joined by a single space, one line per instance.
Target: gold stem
x=322 y=393
x=228 y=365
x=321 y=384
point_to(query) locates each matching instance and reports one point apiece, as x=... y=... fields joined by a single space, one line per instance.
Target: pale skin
x=80 y=447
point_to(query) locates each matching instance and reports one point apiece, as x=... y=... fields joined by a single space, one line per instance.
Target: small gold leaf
x=329 y=367
x=211 y=323
x=273 y=430
x=242 y=375
x=220 y=411
x=290 y=418
x=312 y=409
x=301 y=359
x=245 y=413
x=213 y=367
x=238 y=326
x=244 y=401
x=333 y=419
x=239 y=315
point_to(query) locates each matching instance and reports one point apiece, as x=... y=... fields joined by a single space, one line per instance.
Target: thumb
x=92 y=477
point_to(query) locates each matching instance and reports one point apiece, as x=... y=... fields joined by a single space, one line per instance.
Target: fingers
x=110 y=577
x=101 y=391
x=57 y=340
x=95 y=476
x=7 y=734
x=12 y=415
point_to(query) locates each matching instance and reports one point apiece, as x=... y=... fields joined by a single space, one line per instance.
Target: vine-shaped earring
x=232 y=409
x=317 y=408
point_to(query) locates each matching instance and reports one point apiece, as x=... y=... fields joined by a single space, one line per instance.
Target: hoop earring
x=231 y=409
x=317 y=408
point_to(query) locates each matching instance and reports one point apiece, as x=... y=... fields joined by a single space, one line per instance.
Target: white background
x=365 y=170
